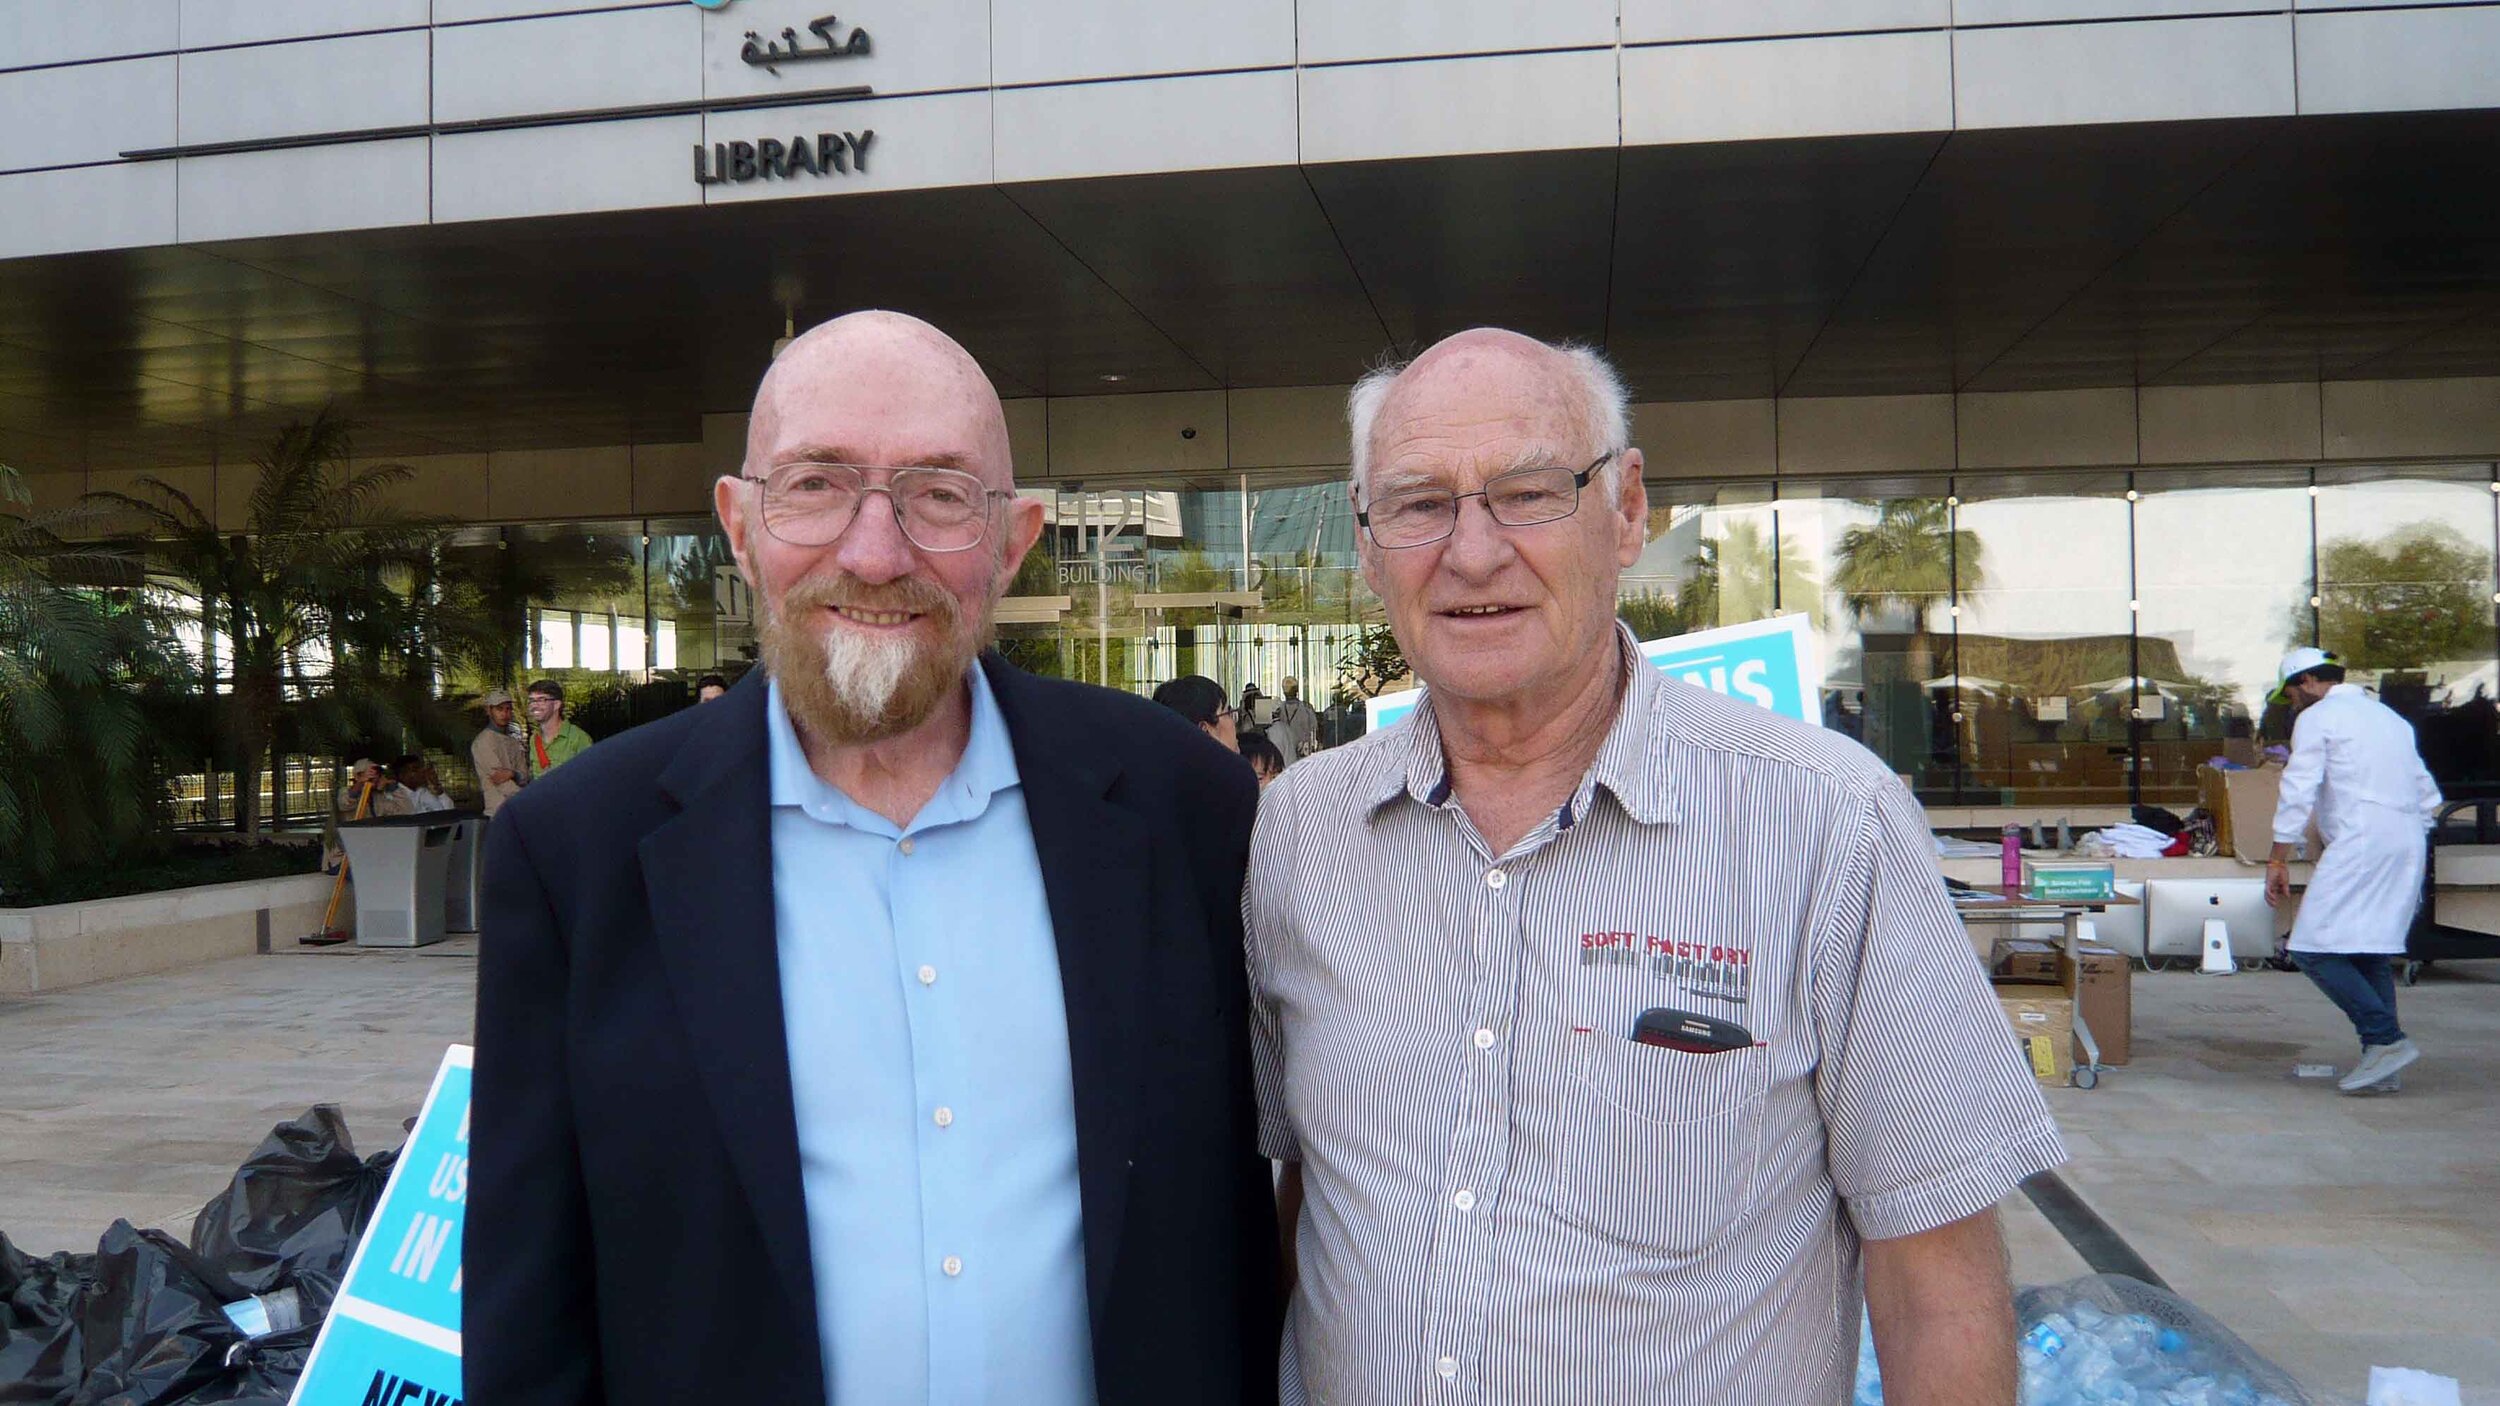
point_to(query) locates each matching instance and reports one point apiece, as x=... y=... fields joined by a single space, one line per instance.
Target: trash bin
x=463 y=884
x=399 y=864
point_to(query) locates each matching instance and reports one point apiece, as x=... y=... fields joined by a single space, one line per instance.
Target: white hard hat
x=2299 y=662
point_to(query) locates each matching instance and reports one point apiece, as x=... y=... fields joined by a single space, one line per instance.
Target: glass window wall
x=2052 y=640
x=2038 y=641
x=2049 y=677
x=1877 y=566
x=2224 y=574
x=2405 y=592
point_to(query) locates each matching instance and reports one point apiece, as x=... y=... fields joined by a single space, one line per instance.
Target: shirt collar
x=1632 y=764
x=987 y=767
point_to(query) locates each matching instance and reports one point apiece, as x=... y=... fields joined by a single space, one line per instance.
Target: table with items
x=1996 y=903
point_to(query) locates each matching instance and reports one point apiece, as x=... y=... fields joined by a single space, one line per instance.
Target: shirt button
x=1447 y=1367
x=1465 y=1200
x=905 y=846
x=953 y=1265
x=1484 y=1039
x=944 y=1117
x=1496 y=879
x=928 y=976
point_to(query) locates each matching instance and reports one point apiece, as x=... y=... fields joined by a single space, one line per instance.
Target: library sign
x=776 y=158
x=825 y=154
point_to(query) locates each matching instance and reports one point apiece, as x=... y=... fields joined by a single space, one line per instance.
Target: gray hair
x=1606 y=403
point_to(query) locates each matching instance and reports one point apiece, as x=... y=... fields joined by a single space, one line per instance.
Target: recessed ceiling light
x=1112 y=378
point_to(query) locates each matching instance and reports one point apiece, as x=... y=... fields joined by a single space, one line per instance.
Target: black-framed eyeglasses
x=1521 y=498
x=939 y=510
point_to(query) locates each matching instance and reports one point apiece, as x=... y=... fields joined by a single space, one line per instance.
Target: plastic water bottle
x=2010 y=846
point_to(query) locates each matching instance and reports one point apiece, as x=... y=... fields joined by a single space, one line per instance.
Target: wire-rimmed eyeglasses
x=1521 y=498
x=939 y=510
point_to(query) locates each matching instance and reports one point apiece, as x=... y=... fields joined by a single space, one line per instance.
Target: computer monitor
x=2122 y=928
x=2175 y=911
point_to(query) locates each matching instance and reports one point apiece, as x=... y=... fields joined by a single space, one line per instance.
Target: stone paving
x=137 y=1098
x=2331 y=1232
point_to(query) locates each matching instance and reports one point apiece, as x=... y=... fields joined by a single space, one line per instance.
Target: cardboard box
x=2026 y=959
x=2043 y=1021
x=2243 y=807
x=2213 y=796
x=2102 y=987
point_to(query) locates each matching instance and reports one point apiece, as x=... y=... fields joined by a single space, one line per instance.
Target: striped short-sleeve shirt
x=1507 y=1199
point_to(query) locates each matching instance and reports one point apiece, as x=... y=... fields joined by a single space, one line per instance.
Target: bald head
x=923 y=396
x=1503 y=371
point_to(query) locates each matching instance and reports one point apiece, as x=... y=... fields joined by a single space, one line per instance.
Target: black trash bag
x=295 y=1211
x=153 y=1320
x=42 y=1357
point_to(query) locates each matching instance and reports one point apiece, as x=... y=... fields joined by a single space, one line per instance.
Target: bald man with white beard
x=880 y=1035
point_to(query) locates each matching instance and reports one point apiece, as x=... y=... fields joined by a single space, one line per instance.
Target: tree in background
x=84 y=663
x=1908 y=561
x=331 y=630
x=1371 y=664
x=1729 y=580
x=1897 y=570
x=2415 y=596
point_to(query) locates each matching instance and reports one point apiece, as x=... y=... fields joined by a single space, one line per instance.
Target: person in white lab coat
x=2355 y=769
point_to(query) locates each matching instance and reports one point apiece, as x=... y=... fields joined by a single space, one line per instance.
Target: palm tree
x=1904 y=564
x=1909 y=559
x=81 y=655
x=328 y=629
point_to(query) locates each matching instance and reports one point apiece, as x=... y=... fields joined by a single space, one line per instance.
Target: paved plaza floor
x=2331 y=1232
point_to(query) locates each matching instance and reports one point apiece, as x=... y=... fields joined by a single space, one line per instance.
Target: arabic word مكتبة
x=756 y=53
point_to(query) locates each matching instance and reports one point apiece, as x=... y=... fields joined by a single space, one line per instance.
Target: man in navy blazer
x=880 y=1035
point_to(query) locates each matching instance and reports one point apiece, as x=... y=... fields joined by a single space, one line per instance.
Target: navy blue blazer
x=636 y=1230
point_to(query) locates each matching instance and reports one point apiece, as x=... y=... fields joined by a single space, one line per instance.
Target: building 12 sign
x=825 y=154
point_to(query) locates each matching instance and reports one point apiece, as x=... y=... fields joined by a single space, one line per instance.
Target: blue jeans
x=2364 y=985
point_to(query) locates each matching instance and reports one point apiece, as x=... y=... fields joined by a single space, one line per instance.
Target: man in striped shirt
x=1495 y=1194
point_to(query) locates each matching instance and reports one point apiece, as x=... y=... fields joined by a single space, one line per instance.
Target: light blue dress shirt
x=929 y=1069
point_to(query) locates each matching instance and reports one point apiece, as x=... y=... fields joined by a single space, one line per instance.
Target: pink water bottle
x=2011 y=846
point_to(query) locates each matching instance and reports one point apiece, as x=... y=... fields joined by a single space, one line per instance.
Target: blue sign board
x=1771 y=662
x=1768 y=662
x=393 y=1333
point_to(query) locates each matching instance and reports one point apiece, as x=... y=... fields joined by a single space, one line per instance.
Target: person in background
x=419 y=783
x=709 y=687
x=1620 y=1035
x=363 y=775
x=1295 y=727
x=1201 y=700
x=1265 y=761
x=552 y=740
x=502 y=762
x=2355 y=769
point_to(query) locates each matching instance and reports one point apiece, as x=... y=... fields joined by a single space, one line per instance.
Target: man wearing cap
x=502 y=764
x=1295 y=728
x=2356 y=771
x=553 y=741
x=364 y=774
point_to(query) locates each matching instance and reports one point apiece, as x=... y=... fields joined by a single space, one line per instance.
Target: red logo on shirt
x=1718 y=970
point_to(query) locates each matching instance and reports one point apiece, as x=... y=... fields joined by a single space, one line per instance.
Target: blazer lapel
x=708 y=876
x=1096 y=868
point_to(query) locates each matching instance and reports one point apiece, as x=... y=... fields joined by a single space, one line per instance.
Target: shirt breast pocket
x=1662 y=1146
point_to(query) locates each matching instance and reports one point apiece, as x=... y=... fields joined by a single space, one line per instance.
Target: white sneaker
x=2377 y=1063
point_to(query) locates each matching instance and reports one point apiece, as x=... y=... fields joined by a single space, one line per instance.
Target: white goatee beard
x=864 y=671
